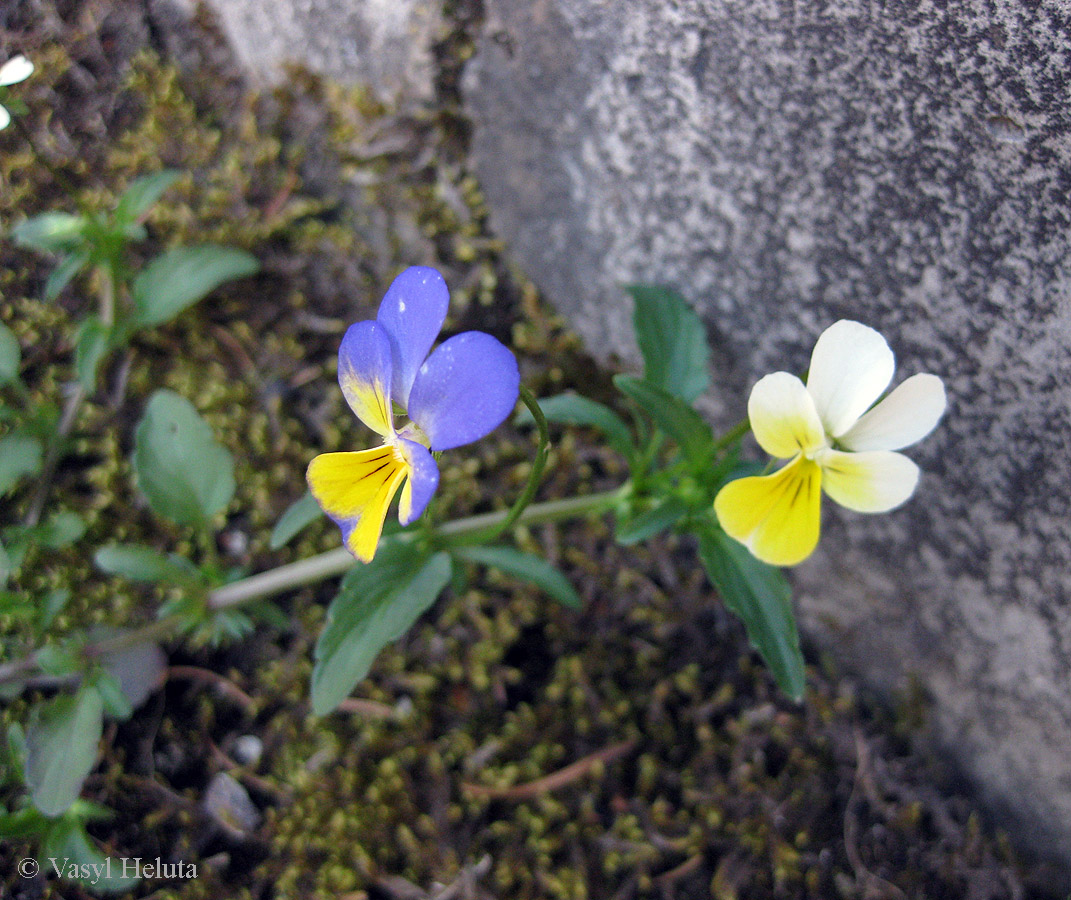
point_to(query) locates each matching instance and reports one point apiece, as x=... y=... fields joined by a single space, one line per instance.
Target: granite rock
x=786 y=164
x=384 y=45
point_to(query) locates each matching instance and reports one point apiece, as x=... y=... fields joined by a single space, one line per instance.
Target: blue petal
x=465 y=390
x=423 y=480
x=365 y=373
x=412 y=311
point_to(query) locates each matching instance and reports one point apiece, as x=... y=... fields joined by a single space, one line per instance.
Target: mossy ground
x=428 y=783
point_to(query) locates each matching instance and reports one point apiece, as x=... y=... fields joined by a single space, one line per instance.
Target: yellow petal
x=783 y=416
x=355 y=490
x=777 y=517
x=870 y=482
x=369 y=402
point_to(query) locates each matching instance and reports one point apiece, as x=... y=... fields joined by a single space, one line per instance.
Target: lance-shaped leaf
x=298 y=515
x=760 y=595
x=61 y=748
x=68 y=846
x=526 y=567
x=10 y=355
x=376 y=604
x=142 y=193
x=180 y=277
x=139 y=563
x=50 y=232
x=673 y=416
x=90 y=348
x=573 y=409
x=61 y=276
x=672 y=340
x=20 y=455
x=651 y=522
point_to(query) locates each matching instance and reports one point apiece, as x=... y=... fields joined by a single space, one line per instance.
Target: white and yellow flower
x=834 y=441
x=16 y=69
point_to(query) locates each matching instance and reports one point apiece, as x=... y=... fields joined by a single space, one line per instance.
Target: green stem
x=54 y=454
x=337 y=562
x=733 y=434
x=70 y=412
x=488 y=534
x=107 y=296
x=330 y=564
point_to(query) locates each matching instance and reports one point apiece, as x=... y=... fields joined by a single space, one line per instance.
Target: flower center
x=413 y=432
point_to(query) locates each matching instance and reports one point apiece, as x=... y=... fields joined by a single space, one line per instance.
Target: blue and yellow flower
x=458 y=394
x=834 y=441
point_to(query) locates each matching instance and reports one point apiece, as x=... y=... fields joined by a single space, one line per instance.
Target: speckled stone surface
x=785 y=164
x=385 y=45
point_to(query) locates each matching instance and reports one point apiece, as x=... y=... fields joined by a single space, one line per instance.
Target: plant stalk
x=333 y=563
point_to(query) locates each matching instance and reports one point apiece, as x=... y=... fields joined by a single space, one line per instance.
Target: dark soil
x=505 y=747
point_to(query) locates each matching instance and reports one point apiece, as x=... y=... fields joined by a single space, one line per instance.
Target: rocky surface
x=385 y=45
x=784 y=165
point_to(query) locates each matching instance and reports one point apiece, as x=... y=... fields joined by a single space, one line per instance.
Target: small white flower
x=16 y=69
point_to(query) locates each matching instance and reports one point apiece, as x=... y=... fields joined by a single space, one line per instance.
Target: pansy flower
x=458 y=394
x=833 y=441
x=16 y=69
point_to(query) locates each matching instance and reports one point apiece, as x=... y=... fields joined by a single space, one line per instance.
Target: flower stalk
x=332 y=564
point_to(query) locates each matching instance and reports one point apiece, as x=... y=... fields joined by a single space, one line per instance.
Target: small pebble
x=248 y=749
x=229 y=806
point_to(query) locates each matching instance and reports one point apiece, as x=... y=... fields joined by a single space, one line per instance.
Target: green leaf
x=6 y=565
x=17 y=604
x=376 y=604
x=573 y=409
x=51 y=232
x=142 y=194
x=23 y=825
x=185 y=474
x=68 y=846
x=61 y=748
x=673 y=415
x=61 y=529
x=139 y=670
x=61 y=276
x=146 y=564
x=673 y=341
x=527 y=567
x=760 y=595
x=10 y=355
x=112 y=696
x=62 y=659
x=651 y=522
x=53 y=604
x=264 y=612
x=91 y=346
x=299 y=514
x=20 y=456
x=179 y=278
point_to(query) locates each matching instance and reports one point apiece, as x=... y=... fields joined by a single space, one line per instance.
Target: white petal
x=907 y=415
x=16 y=69
x=850 y=366
x=871 y=482
x=5 y=118
x=783 y=416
